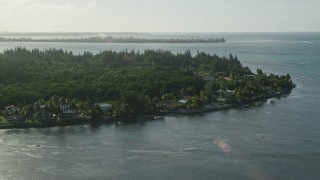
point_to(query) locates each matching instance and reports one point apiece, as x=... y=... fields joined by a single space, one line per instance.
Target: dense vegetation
x=134 y=83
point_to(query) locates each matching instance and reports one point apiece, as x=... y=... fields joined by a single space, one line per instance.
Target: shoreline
x=145 y=117
x=110 y=40
x=207 y=108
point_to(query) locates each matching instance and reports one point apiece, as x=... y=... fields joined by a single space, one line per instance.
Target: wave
x=306 y=42
x=50 y=147
x=284 y=41
x=149 y=152
x=254 y=41
x=303 y=63
x=191 y=149
x=183 y=150
x=271 y=40
x=33 y=155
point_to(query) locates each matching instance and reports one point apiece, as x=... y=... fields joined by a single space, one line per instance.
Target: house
x=227 y=92
x=104 y=107
x=231 y=91
x=220 y=91
x=208 y=78
x=11 y=109
x=221 y=99
x=67 y=112
x=183 y=101
x=168 y=104
x=43 y=114
x=12 y=114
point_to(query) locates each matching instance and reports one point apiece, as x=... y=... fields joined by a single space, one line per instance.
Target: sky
x=159 y=15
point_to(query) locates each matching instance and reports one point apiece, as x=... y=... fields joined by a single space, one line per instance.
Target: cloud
x=79 y=6
x=294 y=5
x=10 y=4
x=90 y=7
x=37 y=6
x=86 y=7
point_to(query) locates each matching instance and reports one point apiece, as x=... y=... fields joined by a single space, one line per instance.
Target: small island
x=111 y=39
x=53 y=87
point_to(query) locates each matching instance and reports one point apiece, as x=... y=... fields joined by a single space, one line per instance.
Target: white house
x=104 y=106
x=183 y=101
x=221 y=99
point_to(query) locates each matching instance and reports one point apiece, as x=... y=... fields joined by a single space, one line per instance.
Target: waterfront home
x=104 y=107
x=221 y=99
x=43 y=114
x=208 y=78
x=227 y=92
x=68 y=113
x=220 y=91
x=11 y=108
x=168 y=104
x=183 y=101
x=231 y=91
x=12 y=114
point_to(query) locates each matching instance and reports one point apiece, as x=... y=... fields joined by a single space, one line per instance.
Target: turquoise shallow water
x=279 y=139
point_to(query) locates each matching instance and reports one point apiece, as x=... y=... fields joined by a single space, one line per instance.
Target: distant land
x=24 y=34
x=111 y=39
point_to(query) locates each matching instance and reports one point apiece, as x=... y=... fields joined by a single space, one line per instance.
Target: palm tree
x=25 y=111
x=54 y=107
x=73 y=105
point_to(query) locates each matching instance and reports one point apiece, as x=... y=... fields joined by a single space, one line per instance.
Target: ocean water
x=278 y=139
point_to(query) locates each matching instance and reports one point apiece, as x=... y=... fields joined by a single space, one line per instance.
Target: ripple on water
x=155 y=152
x=33 y=155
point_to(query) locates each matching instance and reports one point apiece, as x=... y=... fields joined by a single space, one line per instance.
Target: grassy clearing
x=3 y=119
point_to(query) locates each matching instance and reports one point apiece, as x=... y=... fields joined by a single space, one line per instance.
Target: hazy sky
x=159 y=15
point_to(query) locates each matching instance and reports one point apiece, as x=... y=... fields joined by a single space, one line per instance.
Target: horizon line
x=145 y=32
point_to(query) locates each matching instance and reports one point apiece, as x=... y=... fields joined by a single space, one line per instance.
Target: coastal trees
x=133 y=104
x=259 y=72
x=188 y=91
x=26 y=111
x=96 y=113
x=129 y=79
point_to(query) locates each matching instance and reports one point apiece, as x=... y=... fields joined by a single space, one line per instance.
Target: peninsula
x=41 y=88
x=111 y=39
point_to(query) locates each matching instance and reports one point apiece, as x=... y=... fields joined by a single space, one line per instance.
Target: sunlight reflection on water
x=225 y=147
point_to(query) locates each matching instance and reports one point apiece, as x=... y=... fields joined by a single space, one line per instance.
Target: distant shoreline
x=111 y=39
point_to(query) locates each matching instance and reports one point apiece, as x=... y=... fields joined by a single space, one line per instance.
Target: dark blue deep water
x=279 y=139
